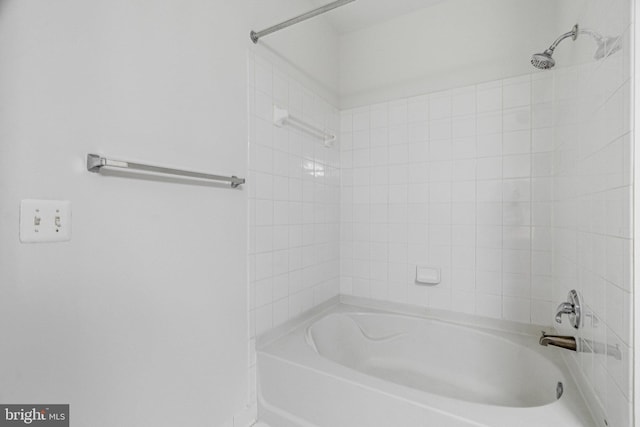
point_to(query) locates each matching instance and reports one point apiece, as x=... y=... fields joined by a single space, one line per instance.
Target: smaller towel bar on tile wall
x=282 y=117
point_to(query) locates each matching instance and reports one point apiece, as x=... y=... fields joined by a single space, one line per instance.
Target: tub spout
x=562 y=341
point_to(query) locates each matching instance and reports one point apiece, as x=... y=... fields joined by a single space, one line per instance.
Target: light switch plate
x=45 y=221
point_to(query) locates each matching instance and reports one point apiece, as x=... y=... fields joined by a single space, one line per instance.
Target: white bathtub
x=352 y=364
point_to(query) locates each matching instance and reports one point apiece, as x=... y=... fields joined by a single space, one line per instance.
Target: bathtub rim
x=296 y=328
x=307 y=318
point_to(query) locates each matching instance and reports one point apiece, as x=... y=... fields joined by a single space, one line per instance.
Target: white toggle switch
x=45 y=221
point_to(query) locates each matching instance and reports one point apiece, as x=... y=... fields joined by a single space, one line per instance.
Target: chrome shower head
x=543 y=61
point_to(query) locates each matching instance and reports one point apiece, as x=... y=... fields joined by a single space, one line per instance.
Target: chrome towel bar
x=95 y=163
x=282 y=117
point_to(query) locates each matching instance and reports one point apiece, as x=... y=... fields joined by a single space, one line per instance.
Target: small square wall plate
x=45 y=221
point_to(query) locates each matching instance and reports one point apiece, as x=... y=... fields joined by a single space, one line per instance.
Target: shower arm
x=575 y=31
x=573 y=34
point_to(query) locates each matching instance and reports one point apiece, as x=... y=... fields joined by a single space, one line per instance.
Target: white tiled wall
x=460 y=180
x=592 y=238
x=294 y=185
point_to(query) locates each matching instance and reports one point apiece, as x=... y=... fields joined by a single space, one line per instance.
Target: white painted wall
x=451 y=44
x=635 y=40
x=140 y=320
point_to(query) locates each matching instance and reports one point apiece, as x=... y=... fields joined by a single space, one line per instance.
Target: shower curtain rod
x=255 y=36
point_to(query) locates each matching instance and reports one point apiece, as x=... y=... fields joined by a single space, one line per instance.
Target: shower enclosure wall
x=515 y=182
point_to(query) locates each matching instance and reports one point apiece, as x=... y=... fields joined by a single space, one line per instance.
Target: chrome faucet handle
x=573 y=309
x=564 y=308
